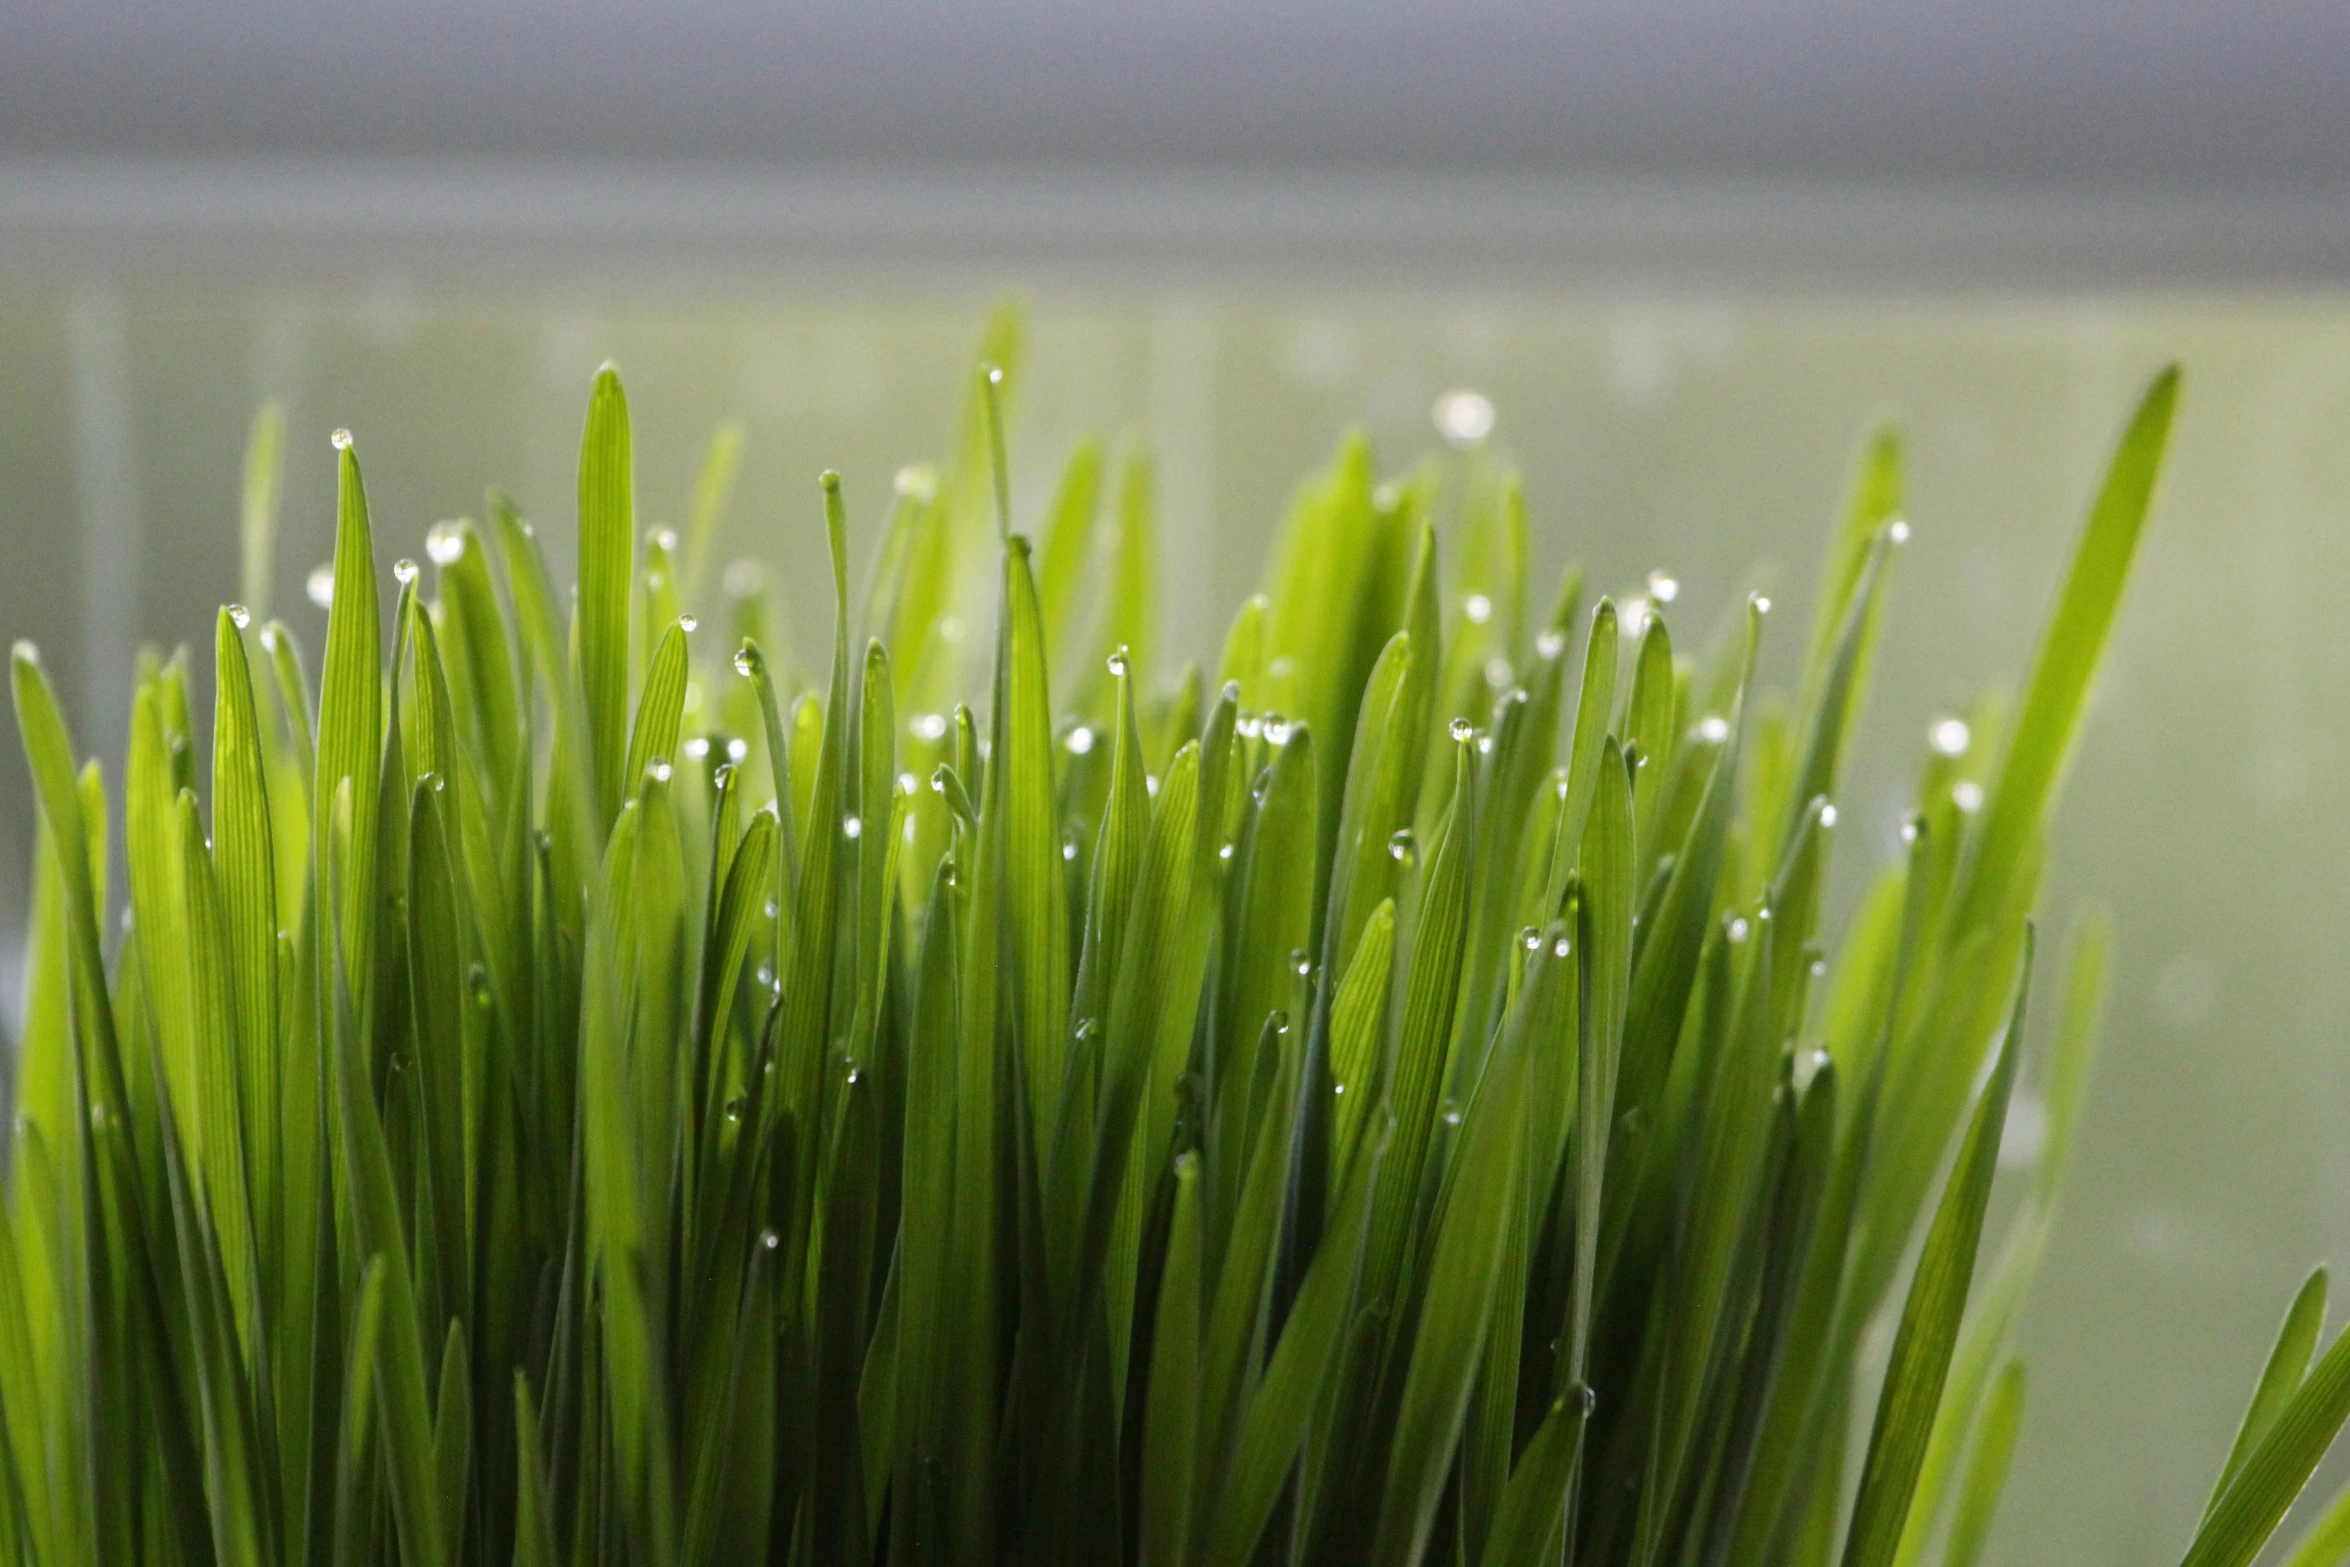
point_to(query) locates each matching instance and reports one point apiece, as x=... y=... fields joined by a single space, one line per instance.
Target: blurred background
x=1689 y=254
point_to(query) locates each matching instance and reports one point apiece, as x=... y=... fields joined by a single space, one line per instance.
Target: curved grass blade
x=257 y=512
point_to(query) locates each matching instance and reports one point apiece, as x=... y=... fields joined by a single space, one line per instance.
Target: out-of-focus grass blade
x=257 y=520
x=1929 y=1323
x=1986 y=1473
x=2327 y=1544
x=1067 y=539
x=705 y=509
x=607 y=568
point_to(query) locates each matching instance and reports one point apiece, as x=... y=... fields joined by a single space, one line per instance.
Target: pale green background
x=1706 y=435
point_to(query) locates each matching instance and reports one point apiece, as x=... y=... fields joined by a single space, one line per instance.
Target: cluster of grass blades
x=571 y=1099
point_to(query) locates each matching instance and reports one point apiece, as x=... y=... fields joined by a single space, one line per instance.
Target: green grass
x=589 y=1095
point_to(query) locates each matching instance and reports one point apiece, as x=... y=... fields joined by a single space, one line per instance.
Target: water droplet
x=658 y=772
x=1562 y=948
x=1584 y=1396
x=1633 y=616
x=852 y=827
x=1762 y=604
x=688 y=624
x=1279 y=1019
x=340 y=440
x=1529 y=938
x=1080 y=741
x=444 y=543
x=1338 y=1088
x=1738 y=930
x=737 y=750
x=916 y=482
x=1403 y=848
x=766 y=976
x=1714 y=730
x=1909 y=831
x=1828 y=815
x=747 y=661
x=269 y=638
x=1278 y=729
x=735 y=1108
x=1950 y=736
x=1819 y=967
x=697 y=748
x=665 y=540
x=1464 y=418
x=773 y=909
x=928 y=726
x=403 y=571
x=1967 y=795
x=1299 y=963
x=1550 y=644
x=239 y=616
x=1662 y=587
x=1461 y=729
x=1498 y=673
x=1452 y=1113
x=1249 y=726
x=1119 y=662
x=1478 y=608
x=768 y=1238
x=1069 y=850
x=1224 y=853
x=320 y=584
x=995 y=375
x=1150 y=785
x=950 y=628
x=853 y=1076
x=1386 y=497
x=1485 y=745
x=1899 y=531
x=1086 y=1029
x=398 y=1062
